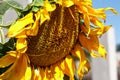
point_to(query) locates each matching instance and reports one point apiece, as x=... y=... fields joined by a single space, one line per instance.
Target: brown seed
x=55 y=38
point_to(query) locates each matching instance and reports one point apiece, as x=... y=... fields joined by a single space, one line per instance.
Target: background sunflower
x=48 y=37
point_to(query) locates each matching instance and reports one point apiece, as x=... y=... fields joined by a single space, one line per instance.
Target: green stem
x=2 y=36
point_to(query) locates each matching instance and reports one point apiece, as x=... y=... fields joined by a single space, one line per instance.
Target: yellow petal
x=33 y=74
x=87 y=2
x=47 y=74
x=66 y=3
x=83 y=68
x=27 y=74
x=77 y=51
x=34 y=29
x=37 y=75
x=109 y=8
x=44 y=15
x=23 y=32
x=42 y=73
x=6 y=60
x=17 y=70
x=84 y=11
x=83 y=28
x=55 y=72
x=94 y=54
x=100 y=31
x=102 y=51
x=58 y=74
x=84 y=64
x=48 y=6
x=21 y=45
x=90 y=43
x=97 y=22
x=106 y=28
x=87 y=22
x=20 y=24
x=68 y=67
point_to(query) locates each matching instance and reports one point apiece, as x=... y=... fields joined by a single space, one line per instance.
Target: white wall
x=106 y=69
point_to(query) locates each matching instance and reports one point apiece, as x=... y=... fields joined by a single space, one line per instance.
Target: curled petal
x=109 y=8
x=44 y=15
x=100 y=31
x=84 y=65
x=34 y=28
x=102 y=51
x=20 y=24
x=68 y=67
x=90 y=43
x=23 y=32
x=48 y=6
x=21 y=45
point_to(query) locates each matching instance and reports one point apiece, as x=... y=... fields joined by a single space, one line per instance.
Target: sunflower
x=49 y=39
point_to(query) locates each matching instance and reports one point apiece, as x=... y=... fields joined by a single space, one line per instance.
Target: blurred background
x=102 y=69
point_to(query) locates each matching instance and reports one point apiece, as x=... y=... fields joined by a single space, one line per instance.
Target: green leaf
x=28 y=7
x=35 y=9
x=1 y=19
x=5 y=5
x=3 y=8
x=2 y=70
x=10 y=45
x=38 y=3
x=1 y=48
x=14 y=4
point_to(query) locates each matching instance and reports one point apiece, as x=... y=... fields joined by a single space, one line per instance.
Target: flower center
x=55 y=38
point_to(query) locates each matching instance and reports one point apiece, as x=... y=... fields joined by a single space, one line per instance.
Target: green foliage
x=34 y=6
x=14 y=4
x=3 y=69
x=3 y=8
x=38 y=3
x=5 y=5
x=4 y=48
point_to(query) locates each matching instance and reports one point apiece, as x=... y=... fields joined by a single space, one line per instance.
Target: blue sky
x=112 y=19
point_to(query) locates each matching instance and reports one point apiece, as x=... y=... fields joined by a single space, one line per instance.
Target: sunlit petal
x=20 y=24
x=21 y=45
x=84 y=65
x=27 y=74
x=68 y=67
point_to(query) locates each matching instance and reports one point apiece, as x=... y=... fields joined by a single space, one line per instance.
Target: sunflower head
x=49 y=36
x=55 y=37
